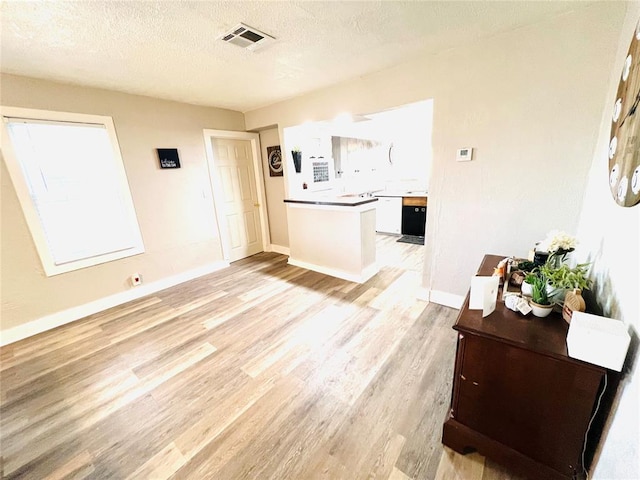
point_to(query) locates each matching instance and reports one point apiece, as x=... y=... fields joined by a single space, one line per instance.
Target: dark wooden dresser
x=518 y=398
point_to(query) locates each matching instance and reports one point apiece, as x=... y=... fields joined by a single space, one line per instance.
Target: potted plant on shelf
x=565 y=286
x=563 y=278
x=527 y=284
x=297 y=159
x=555 y=247
x=540 y=304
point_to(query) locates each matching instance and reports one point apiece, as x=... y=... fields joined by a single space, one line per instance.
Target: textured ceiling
x=170 y=50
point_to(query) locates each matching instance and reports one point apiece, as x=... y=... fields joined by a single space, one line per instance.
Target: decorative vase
x=297 y=161
x=573 y=302
x=540 y=310
x=559 y=255
x=526 y=289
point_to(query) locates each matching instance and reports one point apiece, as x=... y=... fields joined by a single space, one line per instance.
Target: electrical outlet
x=135 y=279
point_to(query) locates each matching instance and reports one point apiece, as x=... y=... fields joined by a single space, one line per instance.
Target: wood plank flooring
x=260 y=371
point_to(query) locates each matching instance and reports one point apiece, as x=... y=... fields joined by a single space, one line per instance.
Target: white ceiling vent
x=247 y=37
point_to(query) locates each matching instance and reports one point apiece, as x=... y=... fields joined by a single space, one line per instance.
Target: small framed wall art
x=274 y=157
x=168 y=157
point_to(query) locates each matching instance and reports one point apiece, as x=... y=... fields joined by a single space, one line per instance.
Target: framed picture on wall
x=168 y=157
x=274 y=157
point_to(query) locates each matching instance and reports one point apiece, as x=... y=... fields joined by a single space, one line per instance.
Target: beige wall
x=274 y=191
x=529 y=101
x=610 y=238
x=536 y=104
x=174 y=207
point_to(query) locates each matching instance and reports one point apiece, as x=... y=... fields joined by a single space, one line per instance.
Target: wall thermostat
x=464 y=154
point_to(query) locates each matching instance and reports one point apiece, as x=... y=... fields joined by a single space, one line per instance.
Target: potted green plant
x=540 y=303
x=527 y=284
x=563 y=278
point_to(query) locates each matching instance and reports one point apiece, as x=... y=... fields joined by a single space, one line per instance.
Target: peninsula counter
x=333 y=235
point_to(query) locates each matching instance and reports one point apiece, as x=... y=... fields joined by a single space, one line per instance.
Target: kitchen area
x=356 y=178
x=411 y=222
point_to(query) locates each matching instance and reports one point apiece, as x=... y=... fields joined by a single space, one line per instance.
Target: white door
x=233 y=163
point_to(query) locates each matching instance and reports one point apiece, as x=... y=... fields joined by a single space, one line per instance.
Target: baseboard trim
x=57 y=319
x=367 y=273
x=446 y=299
x=280 y=249
x=423 y=294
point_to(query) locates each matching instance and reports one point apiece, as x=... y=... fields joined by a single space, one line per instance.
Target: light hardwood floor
x=259 y=371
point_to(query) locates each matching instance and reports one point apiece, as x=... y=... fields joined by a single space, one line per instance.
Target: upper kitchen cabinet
x=389 y=150
x=358 y=158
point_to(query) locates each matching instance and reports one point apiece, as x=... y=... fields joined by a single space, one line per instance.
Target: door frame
x=214 y=181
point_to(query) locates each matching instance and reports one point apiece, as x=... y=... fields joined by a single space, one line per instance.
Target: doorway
x=236 y=181
x=387 y=154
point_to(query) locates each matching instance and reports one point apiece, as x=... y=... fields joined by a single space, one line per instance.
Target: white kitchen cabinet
x=389 y=214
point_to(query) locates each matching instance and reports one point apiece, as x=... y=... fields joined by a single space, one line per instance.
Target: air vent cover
x=247 y=37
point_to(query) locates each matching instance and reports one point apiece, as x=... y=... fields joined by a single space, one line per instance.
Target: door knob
x=256 y=204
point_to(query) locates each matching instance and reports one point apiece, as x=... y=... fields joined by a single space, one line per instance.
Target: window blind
x=76 y=188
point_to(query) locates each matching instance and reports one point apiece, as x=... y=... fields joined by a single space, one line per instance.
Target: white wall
x=274 y=191
x=174 y=207
x=529 y=101
x=610 y=238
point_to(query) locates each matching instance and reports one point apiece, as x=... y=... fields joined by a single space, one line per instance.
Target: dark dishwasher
x=414 y=215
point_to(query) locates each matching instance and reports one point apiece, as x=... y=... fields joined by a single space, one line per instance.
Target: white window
x=72 y=186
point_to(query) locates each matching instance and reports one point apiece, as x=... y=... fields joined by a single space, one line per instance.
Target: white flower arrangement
x=557 y=241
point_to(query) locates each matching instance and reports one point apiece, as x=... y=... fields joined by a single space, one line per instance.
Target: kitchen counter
x=410 y=194
x=334 y=235
x=337 y=201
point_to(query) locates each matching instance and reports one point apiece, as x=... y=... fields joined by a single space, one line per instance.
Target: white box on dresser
x=598 y=340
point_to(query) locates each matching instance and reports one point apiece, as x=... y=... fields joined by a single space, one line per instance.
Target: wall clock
x=624 y=141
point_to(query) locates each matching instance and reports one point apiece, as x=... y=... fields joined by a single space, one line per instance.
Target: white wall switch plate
x=464 y=154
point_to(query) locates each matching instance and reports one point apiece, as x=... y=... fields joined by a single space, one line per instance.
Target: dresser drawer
x=539 y=406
